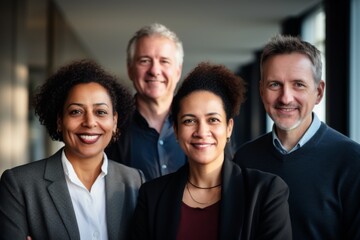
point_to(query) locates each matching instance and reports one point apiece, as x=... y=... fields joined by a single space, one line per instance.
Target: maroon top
x=199 y=223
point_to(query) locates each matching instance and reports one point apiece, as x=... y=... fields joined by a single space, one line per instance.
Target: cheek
x=67 y=125
x=183 y=134
x=269 y=99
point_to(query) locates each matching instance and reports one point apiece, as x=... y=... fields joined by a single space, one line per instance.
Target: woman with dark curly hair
x=211 y=197
x=77 y=193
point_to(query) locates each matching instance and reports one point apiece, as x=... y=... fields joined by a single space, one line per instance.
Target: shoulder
x=34 y=175
x=125 y=173
x=37 y=168
x=166 y=182
x=262 y=140
x=252 y=147
x=332 y=139
x=263 y=178
x=264 y=187
x=252 y=178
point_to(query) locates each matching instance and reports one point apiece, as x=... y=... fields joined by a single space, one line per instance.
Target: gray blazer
x=35 y=201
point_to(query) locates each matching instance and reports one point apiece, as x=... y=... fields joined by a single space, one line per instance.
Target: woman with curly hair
x=77 y=193
x=211 y=197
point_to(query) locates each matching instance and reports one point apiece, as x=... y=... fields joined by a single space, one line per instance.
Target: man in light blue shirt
x=320 y=165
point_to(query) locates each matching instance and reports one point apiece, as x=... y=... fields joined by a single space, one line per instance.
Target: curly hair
x=50 y=98
x=216 y=79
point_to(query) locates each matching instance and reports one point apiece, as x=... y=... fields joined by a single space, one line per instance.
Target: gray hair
x=281 y=44
x=151 y=30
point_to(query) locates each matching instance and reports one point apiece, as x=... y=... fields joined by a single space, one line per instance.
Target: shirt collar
x=314 y=126
x=70 y=172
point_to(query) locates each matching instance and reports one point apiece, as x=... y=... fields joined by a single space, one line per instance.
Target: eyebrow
x=208 y=114
x=82 y=105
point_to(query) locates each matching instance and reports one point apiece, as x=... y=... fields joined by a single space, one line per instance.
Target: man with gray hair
x=320 y=165
x=154 y=63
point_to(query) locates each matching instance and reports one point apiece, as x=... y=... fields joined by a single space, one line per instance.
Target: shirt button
x=161 y=142
x=163 y=166
x=96 y=235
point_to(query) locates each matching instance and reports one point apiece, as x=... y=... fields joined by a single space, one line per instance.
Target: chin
x=287 y=126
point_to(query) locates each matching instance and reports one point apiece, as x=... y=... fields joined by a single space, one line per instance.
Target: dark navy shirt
x=142 y=147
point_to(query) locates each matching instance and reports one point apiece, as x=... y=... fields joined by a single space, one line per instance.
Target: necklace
x=192 y=198
x=203 y=187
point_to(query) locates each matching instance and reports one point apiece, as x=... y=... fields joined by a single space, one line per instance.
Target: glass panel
x=355 y=71
x=313 y=31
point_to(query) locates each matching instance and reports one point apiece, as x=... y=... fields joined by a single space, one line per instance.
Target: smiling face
x=289 y=92
x=202 y=129
x=88 y=122
x=154 y=70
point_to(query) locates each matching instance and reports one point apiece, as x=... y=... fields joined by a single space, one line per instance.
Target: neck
x=155 y=112
x=289 y=138
x=87 y=170
x=205 y=176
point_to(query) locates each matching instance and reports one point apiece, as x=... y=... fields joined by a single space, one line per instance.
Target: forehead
x=156 y=43
x=293 y=65
x=201 y=100
x=89 y=92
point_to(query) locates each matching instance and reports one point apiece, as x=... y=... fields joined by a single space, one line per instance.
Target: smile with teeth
x=154 y=81
x=286 y=109
x=89 y=138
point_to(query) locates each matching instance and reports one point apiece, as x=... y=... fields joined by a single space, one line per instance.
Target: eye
x=166 y=61
x=274 y=85
x=75 y=112
x=101 y=112
x=144 y=61
x=214 y=120
x=299 y=85
x=189 y=122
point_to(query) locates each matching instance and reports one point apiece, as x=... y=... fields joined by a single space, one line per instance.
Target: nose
x=286 y=95
x=89 y=121
x=202 y=130
x=155 y=69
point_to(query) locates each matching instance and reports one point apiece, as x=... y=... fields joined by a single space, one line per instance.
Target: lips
x=89 y=139
x=286 y=109
x=202 y=145
x=154 y=81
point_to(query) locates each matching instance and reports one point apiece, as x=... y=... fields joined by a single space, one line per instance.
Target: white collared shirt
x=89 y=206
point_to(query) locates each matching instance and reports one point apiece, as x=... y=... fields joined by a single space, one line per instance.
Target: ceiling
x=226 y=32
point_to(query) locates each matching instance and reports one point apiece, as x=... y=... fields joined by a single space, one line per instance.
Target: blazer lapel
x=60 y=195
x=175 y=203
x=232 y=202
x=115 y=191
x=171 y=202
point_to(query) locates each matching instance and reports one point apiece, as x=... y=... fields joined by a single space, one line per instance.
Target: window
x=313 y=31
x=354 y=71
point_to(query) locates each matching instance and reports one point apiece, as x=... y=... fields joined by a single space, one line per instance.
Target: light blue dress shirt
x=314 y=126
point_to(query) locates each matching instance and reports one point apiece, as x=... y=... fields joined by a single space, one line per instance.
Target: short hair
x=283 y=44
x=216 y=79
x=51 y=96
x=155 y=29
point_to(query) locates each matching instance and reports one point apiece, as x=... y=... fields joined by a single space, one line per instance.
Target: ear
x=320 y=91
x=115 y=118
x=130 y=71
x=261 y=86
x=59 y=123
x=179 y=71
x=229 y=127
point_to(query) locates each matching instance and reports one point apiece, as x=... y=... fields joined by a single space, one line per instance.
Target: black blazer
x=253 y=206
x=35 y=201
